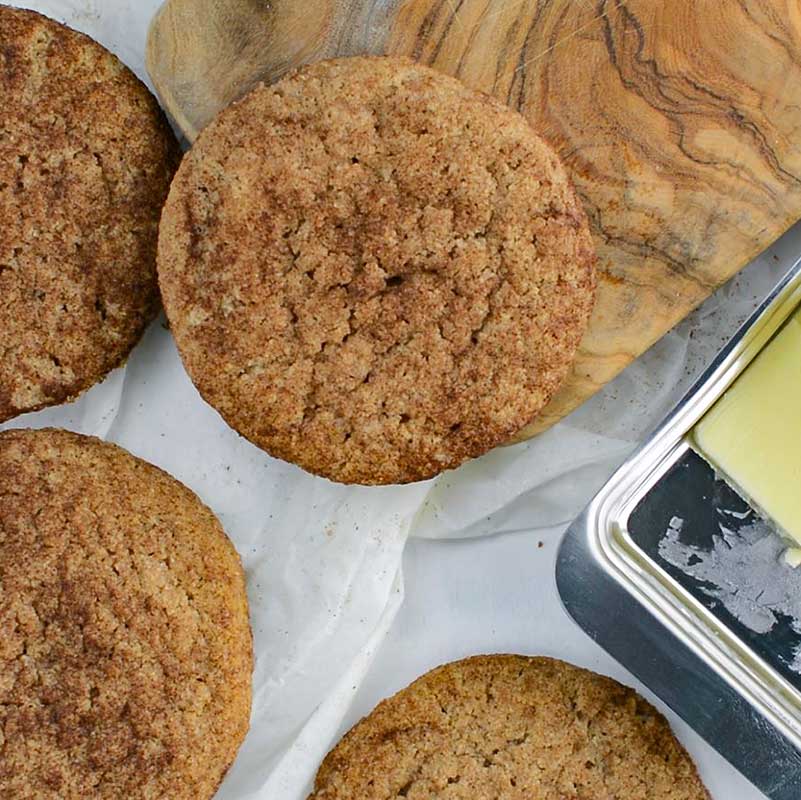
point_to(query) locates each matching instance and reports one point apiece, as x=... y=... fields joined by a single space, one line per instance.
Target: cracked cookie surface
x=374 y=272
x=125 y=646
x=510 y=728
x=86 y=159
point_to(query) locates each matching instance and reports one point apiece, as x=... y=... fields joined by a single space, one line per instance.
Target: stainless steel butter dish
x=676 y=576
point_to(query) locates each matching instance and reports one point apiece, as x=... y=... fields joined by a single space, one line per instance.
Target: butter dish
x=684 y=581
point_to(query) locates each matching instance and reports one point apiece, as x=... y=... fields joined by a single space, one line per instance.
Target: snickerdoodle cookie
x=86 y=159
x=511 y=728
x=373 y=271
x=125 y=647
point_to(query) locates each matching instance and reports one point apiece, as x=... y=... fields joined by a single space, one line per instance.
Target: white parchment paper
x=324 y=561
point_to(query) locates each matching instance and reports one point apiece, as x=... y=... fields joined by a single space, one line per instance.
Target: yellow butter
x=752 y=435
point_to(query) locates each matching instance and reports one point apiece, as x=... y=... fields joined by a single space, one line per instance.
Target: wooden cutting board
x=679 y=120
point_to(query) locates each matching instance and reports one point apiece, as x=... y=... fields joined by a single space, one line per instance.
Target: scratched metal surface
x=717 y=547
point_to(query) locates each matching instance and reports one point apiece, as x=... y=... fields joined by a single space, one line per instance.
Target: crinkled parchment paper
x=324 y=561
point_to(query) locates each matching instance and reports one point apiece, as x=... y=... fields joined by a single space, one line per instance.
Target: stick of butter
x=752 y=435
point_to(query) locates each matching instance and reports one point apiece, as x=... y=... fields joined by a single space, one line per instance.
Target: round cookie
x=373 y=271
x=510 y=728
x=86 y=159
x=125 y=646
